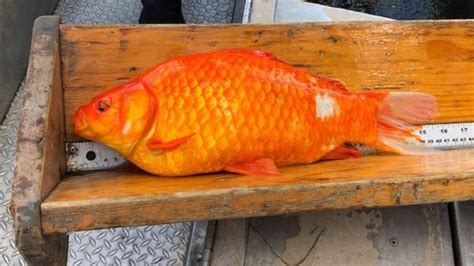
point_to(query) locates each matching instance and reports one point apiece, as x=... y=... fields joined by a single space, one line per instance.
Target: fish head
x=118 y=117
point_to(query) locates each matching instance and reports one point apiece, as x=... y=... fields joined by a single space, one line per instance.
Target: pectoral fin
x=341 y=152
x=154 y=144
x=262 y=166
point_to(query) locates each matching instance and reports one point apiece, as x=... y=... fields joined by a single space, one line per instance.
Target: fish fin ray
x=399 y=114
x=263 y=166
x=342 y=152
x=154 y=144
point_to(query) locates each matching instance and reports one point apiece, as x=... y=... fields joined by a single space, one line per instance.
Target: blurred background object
x=407 y=9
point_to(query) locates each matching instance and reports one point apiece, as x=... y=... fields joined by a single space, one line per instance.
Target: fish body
x=243 y=111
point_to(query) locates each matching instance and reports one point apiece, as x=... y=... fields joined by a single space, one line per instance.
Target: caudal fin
x=399 y=114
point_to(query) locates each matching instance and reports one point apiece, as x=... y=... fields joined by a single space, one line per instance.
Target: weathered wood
x=230 y=242
x=430 y=56
x=123 y=198
x=40 y=159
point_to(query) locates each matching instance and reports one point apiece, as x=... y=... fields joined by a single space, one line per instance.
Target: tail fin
x=399 y=113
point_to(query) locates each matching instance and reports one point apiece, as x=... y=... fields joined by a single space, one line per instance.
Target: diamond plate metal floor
x=128 y=11
x=99 y=12
x=9 y=255
x=144 y=245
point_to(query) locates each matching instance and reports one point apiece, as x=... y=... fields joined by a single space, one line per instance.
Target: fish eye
x=102 y=106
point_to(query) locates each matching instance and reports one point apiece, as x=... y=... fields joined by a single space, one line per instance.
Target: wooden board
x=123 y=198
x=40 y=158
x=430 y=56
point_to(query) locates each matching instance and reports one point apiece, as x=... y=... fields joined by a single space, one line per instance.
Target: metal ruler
x=83 y=156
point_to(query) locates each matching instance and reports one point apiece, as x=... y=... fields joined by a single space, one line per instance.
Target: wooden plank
x=430 y=56
x=40 y=159
x=124 y=198
x=230 y=242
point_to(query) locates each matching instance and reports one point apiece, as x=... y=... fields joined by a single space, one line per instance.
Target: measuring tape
x=84 y=156
x=448 y=136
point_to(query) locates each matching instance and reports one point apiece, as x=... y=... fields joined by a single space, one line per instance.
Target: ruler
x=448 y=136
x=84 y=156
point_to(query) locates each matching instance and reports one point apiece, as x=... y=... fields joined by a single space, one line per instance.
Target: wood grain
x=40 y=158
x=430 y=56
x=124 y=198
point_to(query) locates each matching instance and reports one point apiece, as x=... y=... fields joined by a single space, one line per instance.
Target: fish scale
x=266 y=108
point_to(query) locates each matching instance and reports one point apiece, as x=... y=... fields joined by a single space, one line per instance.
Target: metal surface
x=462 y=217
x=128 y=11
x=239 y=13
x=99 y=12
x=9 y=255
x=85 y=156
x=144 y=245
x=247 y=10
x=414 y=235
x=208 y=11
x=196 y=250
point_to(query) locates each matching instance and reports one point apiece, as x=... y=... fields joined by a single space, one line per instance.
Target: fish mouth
x=79 y=121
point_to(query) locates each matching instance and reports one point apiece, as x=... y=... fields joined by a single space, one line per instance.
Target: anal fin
x=342 y=152
x=261 y=166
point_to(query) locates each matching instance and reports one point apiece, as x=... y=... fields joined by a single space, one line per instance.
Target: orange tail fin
x=398 y=115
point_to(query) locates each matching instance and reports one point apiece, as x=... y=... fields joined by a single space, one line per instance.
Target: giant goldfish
x=247 y=112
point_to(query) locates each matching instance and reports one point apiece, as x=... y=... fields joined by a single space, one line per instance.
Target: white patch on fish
x=326 y=106
x=126 y=127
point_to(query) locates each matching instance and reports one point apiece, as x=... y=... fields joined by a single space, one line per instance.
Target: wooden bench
x=70 y=64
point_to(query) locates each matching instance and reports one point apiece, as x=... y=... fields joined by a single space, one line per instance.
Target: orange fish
x=247 y=112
